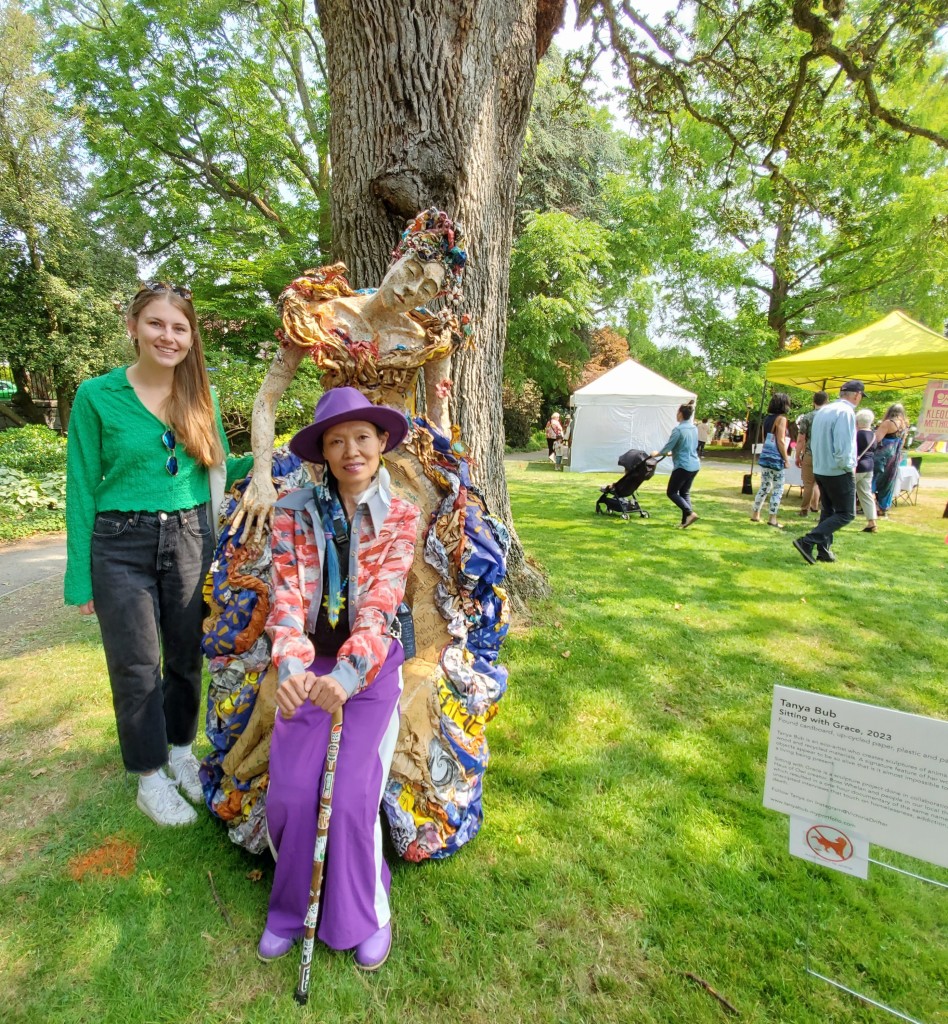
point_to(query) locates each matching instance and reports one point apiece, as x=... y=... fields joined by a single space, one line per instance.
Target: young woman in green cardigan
x=142 y=440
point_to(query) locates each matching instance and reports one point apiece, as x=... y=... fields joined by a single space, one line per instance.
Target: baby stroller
x=620 y=497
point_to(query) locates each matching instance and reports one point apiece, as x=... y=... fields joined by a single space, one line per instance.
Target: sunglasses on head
x=169 y=441
x=164 y=286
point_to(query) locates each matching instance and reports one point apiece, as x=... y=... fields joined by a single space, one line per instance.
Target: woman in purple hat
x=342 y=551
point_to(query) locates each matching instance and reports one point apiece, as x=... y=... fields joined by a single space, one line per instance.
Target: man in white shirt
x=704 y=431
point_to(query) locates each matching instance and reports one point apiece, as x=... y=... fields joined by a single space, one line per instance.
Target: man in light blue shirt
x=832 y=443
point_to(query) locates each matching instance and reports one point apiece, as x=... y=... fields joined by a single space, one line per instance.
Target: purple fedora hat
x=342 y=405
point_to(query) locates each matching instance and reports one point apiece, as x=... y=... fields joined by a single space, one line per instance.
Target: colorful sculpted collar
x=377 y=498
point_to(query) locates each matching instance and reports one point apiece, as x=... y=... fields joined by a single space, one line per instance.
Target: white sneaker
x=163 y=804
x=185 y=773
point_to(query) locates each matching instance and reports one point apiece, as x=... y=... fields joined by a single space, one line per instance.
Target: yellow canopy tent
x=893 y=354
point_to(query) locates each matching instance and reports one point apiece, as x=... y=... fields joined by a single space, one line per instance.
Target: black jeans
x=679 y=489
x=837 y=508
x=148 y=571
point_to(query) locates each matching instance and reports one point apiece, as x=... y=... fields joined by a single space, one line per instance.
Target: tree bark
x=64 y=397
x=429 y=104
x=22 y=401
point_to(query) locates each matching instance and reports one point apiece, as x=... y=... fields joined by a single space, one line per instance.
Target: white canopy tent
x=627 y=407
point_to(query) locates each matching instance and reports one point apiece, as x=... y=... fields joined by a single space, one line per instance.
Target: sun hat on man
x=345 y=405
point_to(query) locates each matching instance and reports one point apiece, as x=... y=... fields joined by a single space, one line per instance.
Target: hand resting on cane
x=323 y=691
x=327 y=694
x=329 y=624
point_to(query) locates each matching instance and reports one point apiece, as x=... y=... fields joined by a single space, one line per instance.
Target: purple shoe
x=272 y=947
x=372 y=952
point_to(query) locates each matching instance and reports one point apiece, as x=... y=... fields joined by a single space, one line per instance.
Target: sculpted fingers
x=263 y=520
x=247 y=534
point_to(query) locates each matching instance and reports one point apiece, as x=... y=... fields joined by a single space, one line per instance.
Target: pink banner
x=933 y=420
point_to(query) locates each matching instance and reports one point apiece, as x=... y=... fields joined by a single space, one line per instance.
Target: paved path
x=525 y=456
x=27 y=563
x=31 y=589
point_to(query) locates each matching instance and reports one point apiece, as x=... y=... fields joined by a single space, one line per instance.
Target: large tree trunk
x=64 y=397
x=22 y=402
x=429 y=104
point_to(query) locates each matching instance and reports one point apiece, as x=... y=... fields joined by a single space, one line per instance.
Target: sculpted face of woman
x=353 y=451
x=164 y=334
x=410 y=283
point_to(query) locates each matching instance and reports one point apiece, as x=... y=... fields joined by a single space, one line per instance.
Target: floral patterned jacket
x=384 y=528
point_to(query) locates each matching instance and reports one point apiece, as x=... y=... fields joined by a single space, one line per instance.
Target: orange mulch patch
x=114 y=858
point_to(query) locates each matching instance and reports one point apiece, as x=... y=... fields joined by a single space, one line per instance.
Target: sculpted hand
x=255 y=511
x=293 y=691
x=327 y=694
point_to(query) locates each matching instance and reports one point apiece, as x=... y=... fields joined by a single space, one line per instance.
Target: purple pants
x=356 y=879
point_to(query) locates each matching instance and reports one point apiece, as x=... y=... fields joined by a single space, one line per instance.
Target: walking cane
x=301 y=995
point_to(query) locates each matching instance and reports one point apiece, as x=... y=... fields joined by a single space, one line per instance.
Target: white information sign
x=882 y=774
x=829 y=846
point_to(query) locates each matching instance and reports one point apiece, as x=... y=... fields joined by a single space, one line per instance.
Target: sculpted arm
x=436 y=404
x=256 y=506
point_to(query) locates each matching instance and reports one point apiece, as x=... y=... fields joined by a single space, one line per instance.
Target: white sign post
x=850 y=774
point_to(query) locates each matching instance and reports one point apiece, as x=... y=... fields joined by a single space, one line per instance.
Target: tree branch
x=821 y=34
x=226 y=186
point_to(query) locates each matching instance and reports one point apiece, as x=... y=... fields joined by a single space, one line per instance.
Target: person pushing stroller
x=682 y=446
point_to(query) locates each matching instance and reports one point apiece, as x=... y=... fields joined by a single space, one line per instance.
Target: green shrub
x=21 y=491
x=521 y=407
x=33 y=449
x=31 y=504
x=18 y=523
x=238 y=380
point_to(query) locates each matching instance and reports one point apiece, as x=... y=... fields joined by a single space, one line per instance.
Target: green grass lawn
x=625 y=845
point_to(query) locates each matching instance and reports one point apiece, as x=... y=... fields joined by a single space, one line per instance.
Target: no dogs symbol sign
x=829 y=843
x=830 y=846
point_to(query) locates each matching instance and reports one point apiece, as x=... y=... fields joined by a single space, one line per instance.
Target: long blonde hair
x=189 y=408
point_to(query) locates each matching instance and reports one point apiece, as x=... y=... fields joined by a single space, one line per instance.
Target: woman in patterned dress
x=890 y=437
